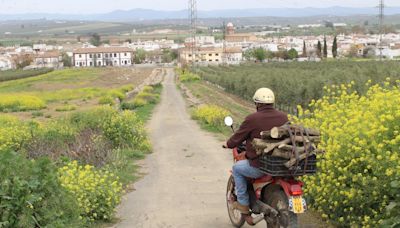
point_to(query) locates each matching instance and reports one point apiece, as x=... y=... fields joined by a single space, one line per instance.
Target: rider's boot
x=245 y=211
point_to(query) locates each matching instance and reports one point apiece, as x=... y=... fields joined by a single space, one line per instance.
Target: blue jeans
x=240 y=171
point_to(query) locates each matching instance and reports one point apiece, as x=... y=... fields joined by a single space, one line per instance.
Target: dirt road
x=187 y=173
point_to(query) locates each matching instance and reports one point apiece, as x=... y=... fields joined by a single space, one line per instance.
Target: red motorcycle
x=275 y=197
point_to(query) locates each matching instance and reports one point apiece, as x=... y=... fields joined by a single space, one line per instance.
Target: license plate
x=297 y=204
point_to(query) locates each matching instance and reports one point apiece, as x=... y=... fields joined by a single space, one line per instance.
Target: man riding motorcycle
x=264 y=119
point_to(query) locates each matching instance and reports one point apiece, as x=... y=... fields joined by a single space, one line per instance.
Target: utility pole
x=193 y=28
x=381 y=22
x=224 y=60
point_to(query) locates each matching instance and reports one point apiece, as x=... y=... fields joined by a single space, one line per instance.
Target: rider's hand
x=241 y=156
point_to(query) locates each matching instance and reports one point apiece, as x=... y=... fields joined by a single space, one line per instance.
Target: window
x=80 y=63
x=106 y=55
x=80 y=56
x=216 y=54
x=216 y=60
x=115 y=63
x=98 y=55
x=90 y=56
x=190 y=55
x=115 y=54
x=126 y=62
x=209 y=54
x=125 y=54
x=99 y=63
x=91 y=63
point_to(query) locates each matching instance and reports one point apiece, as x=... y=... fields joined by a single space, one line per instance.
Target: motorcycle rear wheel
x=278 y=200
x=235 y=216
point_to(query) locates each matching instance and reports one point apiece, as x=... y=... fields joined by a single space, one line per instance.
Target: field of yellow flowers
x=358 y=180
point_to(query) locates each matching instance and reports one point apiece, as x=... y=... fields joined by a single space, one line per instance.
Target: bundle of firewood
x=292 y=142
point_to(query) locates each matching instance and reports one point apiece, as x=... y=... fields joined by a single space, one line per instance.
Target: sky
x=103 y=6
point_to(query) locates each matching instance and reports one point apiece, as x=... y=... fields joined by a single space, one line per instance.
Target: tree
x=95 y=39
x=140 y=56
x=334 y=47
x=293 y=54
x=353 y=52
x=304 y=49
x=168 y=56
x=325 y=48
x=369 y=52
x=319 y=49
x=22 y=61
x=248 y=54
x=260 y=54
x=282 y=54
x=67 y=61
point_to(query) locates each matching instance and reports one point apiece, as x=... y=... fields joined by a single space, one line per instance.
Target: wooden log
x=293 y=161
x=261 y=146
x=281 y=153
x=283 y=131
x=279 y=132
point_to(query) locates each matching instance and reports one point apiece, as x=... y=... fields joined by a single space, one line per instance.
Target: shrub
x=17 y=103
x=210 y=115
x=98 y=192
x=31 y=195
x=188 y=77
x=106 y=100
x=148 y=89
x=360 y=134
x=14 y=134
x=66 y=108
x=139 y=102
x=117 y=94
x=128 y=105
x=148 y=97
x=37 y=114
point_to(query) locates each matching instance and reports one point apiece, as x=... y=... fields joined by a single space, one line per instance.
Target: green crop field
x=298 y=83
x=56 y=92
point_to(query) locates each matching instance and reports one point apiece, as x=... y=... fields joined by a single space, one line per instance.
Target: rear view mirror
x=228 y=121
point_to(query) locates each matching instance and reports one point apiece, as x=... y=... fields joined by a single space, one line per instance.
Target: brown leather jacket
x=263 y=120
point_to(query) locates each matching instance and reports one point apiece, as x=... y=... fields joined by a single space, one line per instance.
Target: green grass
x=144 y=112
x=68 y=76
x=19 y=74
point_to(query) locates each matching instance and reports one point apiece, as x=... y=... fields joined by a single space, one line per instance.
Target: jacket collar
x=265 y=107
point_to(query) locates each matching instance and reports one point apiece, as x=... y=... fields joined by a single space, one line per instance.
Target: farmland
x=80 y=88
x=297 y=83
x=68 y=156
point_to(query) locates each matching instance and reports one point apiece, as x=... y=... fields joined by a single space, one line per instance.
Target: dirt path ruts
x=187 y=173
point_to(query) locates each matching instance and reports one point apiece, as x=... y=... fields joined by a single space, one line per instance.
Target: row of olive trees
x=298 y=82
x=260 y=54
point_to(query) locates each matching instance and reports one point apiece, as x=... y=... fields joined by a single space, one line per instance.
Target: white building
x=6 y=63
x=103 y=56
x=50 y=59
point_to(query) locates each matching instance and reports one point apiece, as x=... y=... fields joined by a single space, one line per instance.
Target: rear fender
x=291 y=187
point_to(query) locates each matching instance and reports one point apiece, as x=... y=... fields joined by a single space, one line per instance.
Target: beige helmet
x=264 y=96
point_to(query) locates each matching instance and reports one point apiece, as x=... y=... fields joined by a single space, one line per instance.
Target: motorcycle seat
x=262 y=179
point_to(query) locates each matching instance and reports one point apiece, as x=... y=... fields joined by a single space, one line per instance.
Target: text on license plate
x=297 y=204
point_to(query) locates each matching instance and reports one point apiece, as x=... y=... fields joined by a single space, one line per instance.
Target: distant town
x=232 y=48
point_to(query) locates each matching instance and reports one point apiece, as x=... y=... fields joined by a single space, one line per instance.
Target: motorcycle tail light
x=295 y=190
